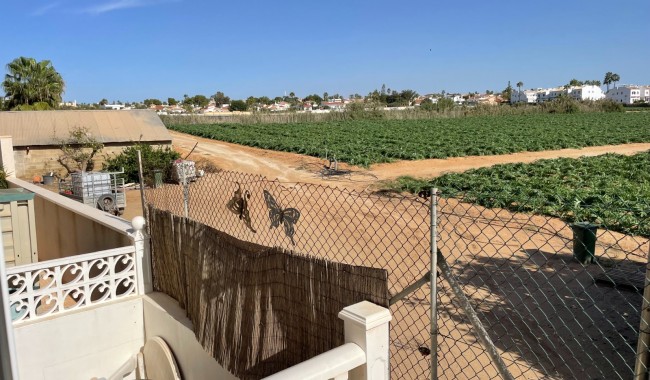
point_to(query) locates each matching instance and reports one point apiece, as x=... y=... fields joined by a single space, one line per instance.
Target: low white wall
x=91 y=343
x=164 y=318
x=65 y=227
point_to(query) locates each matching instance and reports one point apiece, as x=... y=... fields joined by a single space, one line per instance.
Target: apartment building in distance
x=629 y=94
x=541 y=95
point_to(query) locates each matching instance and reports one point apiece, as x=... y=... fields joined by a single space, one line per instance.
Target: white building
x=586 y=92
x=113 y=106
x=523 y=96
x=547 y=94
x=628 y=94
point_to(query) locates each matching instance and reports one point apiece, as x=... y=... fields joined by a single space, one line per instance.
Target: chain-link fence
x=548 y=314
x=559 y=300
x=371 y=230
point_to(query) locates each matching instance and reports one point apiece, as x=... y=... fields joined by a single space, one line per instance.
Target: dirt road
x=291 y=167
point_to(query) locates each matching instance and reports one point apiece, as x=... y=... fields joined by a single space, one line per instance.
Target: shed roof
x=32 y=128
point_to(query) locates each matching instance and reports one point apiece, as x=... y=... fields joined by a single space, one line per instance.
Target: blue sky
x=135 y=49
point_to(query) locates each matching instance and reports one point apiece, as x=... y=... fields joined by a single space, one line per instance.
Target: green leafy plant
x=3 y=178
x=611 y=190
x=364 y=142
x=153 y=158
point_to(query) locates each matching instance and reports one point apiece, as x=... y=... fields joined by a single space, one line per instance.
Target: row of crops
x=611 y=190
x=364 y=142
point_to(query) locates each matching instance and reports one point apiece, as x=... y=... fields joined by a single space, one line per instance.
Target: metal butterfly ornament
x=239 y=205
x=288 y=217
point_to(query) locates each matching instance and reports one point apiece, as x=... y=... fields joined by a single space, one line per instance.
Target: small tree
x=79 y=150
x=238 y=105
x=153 y=158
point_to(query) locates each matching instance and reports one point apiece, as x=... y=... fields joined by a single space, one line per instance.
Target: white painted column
x=367 y=325
x=7 y=156
x=142 y=255
x=7 y=346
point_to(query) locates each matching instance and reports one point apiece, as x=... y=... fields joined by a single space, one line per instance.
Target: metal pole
x=643 y=343
x=141 y=179
x=186 y=208
x=434 y=283
x=481 y=333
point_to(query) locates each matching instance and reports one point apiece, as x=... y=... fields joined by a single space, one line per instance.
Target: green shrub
x=152 y=158
x=3 y=179
x=608 y=105
x=562 y=104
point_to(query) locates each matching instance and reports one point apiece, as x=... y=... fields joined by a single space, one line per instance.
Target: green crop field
x=612 y=190
x=364 y=142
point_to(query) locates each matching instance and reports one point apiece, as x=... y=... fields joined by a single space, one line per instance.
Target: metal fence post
x=643 y=343
x=433 y=278
x=186 y=195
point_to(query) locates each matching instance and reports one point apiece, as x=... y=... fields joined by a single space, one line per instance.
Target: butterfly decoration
x=239 y=205
x=288 y=217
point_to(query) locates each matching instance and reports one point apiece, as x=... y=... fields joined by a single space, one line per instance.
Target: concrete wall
x=89 y=343
x=65 y=227
x=164 y=318
x=39 y=160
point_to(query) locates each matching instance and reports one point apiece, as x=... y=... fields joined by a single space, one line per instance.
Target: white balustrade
x=54 y=286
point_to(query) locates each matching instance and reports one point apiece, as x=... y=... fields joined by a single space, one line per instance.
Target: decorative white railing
x=50 y=287
x=363 y=356
x=334 y=364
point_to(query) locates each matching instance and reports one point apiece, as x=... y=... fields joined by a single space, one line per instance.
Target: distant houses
x=540 y=95
x=629 y=94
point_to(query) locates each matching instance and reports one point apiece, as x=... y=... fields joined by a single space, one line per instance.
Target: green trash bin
x=584 y=242
x=157 y=178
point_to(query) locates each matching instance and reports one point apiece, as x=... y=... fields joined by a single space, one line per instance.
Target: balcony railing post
x=142 y=256
x=367 y=325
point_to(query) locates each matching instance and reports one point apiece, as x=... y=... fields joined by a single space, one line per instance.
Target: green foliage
x=363 y=142
x=608 y=105
x=172 y=101
x=611 y=190
x=29 y=81
x=196 y=100
x=38 y=106
x=3 y=178
x=444 y=104
x=238 y=105
x=149 y=102
x=152 y=158
x=220 y=98
x=562 y=104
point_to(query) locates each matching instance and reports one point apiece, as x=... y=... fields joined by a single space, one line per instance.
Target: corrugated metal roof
x=32 y=128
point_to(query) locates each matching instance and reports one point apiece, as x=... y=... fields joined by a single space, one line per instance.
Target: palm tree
x=29 y=82
x=520 y=84
x=615 y=78
x=608 y=79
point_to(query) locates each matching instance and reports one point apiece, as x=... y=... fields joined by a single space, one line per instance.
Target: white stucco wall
x=164 y=318
x=81 y=345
